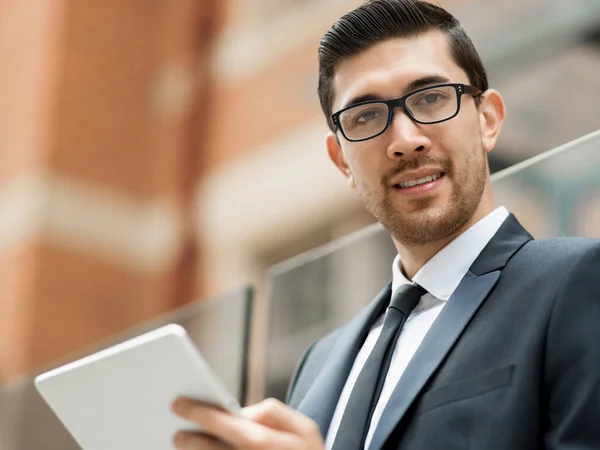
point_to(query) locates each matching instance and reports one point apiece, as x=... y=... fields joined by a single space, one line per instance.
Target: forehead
x=386 y=68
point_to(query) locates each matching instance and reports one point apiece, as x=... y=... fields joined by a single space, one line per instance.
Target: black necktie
x=356 y=419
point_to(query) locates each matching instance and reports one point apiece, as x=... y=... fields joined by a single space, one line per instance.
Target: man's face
x=407 y=151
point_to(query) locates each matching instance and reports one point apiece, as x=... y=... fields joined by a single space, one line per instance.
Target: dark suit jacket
x=512 y=362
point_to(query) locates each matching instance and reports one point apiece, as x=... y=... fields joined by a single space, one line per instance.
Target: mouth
x=420 y=185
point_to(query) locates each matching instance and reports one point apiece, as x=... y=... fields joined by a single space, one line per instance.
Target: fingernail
x=178 y=405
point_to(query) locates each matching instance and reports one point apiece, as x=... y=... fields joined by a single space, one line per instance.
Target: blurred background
x=155 y=153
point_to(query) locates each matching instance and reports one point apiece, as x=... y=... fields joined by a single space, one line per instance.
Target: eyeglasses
x=433 y=104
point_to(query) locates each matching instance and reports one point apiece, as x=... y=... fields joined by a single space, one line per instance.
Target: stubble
x=426 y=222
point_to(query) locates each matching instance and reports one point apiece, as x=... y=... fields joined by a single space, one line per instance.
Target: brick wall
x=99 y=157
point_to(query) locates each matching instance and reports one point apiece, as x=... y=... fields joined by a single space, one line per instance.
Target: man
x=497 y=346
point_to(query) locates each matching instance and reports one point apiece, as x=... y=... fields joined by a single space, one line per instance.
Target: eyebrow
x=414 y=85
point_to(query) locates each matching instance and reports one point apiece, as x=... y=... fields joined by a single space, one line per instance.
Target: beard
x=426 y=222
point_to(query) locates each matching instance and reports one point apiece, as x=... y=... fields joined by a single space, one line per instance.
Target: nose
x=406 y=136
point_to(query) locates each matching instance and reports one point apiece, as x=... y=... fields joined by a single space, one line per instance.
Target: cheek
x=465 y=127
x=461 y=143
x=364 y=167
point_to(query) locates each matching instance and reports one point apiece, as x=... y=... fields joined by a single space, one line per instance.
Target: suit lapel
x=322 y=398
x=455 y=316
x=437 y=343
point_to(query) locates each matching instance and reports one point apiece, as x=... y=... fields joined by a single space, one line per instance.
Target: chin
x=423 y=225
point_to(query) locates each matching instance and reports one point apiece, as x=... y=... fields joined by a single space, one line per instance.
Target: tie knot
x=406 y=297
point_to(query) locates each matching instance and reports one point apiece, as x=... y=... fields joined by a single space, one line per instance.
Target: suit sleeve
x=572 y=369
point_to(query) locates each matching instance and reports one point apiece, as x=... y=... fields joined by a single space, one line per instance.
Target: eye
x=429 y=99
x=367 y=116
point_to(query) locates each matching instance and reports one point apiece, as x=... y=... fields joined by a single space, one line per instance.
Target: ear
x=336 y=154
x=492 y=113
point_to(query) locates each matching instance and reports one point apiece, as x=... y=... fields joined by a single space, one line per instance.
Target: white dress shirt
x=440 y=276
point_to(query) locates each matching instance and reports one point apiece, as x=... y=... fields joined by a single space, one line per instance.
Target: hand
x=269 y=424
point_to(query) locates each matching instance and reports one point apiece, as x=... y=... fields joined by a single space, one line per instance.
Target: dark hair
x=378 y=20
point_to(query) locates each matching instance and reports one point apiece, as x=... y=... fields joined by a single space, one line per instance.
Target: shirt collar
x=443 y=272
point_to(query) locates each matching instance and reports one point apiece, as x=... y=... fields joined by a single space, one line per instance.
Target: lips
x=412 y=178
x=419 y=181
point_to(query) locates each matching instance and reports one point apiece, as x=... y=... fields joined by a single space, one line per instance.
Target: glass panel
x=219 y=326
x=556 y=193
x=317 y=292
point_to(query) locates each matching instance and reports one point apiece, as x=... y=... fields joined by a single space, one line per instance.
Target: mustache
x=416 y=163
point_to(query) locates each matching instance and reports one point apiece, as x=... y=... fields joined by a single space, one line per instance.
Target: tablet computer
x=120 y=397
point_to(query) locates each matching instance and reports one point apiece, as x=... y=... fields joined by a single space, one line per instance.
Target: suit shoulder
x=325 y=344
x=558 y=251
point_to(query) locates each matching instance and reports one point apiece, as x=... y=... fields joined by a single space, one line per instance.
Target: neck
x=413 y=258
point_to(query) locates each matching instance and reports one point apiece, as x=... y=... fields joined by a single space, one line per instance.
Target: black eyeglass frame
x=461 y=89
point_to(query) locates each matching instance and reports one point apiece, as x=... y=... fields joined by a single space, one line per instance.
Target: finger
x=274 y=414
x=187 y=440
x=233 y=430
